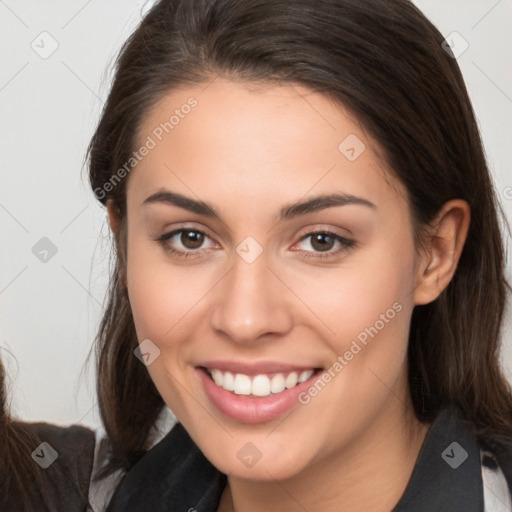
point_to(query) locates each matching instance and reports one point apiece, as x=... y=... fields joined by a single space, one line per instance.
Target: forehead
x=253 y=141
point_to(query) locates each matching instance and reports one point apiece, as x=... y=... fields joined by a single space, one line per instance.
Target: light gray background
x=49 y=312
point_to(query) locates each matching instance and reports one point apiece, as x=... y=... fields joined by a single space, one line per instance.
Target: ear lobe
x=446 y=239
x=114 y=219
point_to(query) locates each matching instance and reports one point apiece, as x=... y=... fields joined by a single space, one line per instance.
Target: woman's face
x=303 y=261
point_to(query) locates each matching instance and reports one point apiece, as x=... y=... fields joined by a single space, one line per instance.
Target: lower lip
x=252 y=410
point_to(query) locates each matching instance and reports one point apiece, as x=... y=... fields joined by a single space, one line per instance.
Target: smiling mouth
x=261 y=385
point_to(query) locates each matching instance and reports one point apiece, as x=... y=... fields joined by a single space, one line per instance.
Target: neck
x=371 y=474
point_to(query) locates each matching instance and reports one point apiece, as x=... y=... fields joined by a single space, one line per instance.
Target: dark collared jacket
x=452 y=474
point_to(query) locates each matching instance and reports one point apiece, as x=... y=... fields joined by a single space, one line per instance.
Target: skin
x=248 y=151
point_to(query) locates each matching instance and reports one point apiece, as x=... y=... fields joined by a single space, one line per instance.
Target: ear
x=445 y=241
x=114 y=218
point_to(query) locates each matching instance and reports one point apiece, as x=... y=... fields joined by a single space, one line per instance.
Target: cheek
x=365 y=307
x=371 y=288
x=161 y=294
x=163 y=298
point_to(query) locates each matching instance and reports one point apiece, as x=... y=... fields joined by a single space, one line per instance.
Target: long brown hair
x=384 y=62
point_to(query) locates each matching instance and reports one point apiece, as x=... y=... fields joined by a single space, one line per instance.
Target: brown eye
x=322 y=242
x=186 y=243
x=192 y=239
x=325 y=244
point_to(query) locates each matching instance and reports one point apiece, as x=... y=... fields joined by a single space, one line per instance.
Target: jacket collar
x=175 y=475
x=447 y=475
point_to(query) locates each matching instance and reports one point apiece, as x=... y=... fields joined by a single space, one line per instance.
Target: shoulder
x=494 y=461
x=161 y=479
x=102 y=487
x=495 y=465
x=496 y=470
x=73 y=445
x=65 y=454
x=62 y=460
x=454 y=469
x=72 y=441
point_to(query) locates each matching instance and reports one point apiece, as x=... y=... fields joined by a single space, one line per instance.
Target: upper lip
x=255 y=368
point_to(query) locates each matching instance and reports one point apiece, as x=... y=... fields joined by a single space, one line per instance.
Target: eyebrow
x=287 y=212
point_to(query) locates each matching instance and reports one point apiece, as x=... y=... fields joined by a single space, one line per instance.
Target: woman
x=309 y=264
x=43 y=467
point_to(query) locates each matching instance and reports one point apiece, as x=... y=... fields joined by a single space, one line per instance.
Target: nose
x=251 y=303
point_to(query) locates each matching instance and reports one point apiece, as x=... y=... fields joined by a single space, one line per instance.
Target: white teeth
x=218 y=377
x=260 y=385
x=291 y=380
x=303 y=376
x=229 y=381
x=242 y=384
x=277 y=385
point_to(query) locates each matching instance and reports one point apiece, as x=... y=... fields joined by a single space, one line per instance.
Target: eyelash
x=346 y=244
